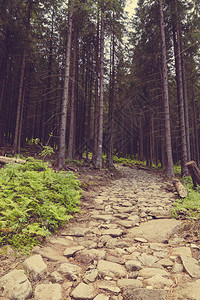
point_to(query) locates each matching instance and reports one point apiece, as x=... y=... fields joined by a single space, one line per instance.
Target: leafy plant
x=33 y=205
x=189 y=207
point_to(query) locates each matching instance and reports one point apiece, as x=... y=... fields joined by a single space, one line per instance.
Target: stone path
x=124 y=245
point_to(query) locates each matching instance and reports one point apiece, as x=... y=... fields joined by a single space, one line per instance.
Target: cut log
x=194 y=172
x=6 y=160
x=181 y=190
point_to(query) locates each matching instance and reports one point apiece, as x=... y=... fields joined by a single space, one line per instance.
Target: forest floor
x=123 y=245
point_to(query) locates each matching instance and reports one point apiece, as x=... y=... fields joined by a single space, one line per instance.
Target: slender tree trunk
x=21 y=123
x=179 y=80
x=70 y=153
x=65 y=99
x=111 y=105
x=187 y=124
x=96 y=104
x=141 y=138
x=98 y=163
x=168 y=147
x=195 y=132
x=17 y=137
x=19 y=103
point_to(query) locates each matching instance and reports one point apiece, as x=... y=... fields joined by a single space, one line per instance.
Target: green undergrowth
x=188 y=207
x=133 y=161
x=34 y=202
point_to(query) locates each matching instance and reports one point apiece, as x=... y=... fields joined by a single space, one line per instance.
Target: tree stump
x=194 y=172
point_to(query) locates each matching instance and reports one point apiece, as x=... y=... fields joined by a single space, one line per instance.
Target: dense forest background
x=82 y=77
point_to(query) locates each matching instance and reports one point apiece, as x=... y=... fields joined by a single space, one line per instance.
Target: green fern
x=33 y=205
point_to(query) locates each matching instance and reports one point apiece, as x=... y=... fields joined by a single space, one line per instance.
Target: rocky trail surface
x=124 y=245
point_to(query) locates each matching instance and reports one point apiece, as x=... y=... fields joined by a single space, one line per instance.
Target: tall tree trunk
x=168 y=147
x=71 y=144
x=65 y=99
x=17 y=137
x=111 y=105
x=141 y=137
x=90 y=84
x=98 y=163
x=195 y=131
x=187 y=124
x=179 y=80
x=96 y=104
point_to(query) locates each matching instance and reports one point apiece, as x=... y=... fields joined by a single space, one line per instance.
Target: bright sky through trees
x=130 y=6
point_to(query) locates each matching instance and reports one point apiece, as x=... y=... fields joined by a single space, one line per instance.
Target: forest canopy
x=82 y=77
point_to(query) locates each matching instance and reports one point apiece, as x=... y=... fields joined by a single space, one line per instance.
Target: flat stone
x=130 y=293
x=68 y=242
x=150 y=272
x=156 y=230
x=89 y=244
x=70 y=271
x=90 y=275
x=133 y=265
x=121 y=216
x=125 y=223
x=55 y=277
x=88 y=256
x=182 y=251
x=160 y=213
x=147 y=260
x=102 y=297
x=102 y=217
x=50 y=291
x=36 y=266
x=134 y=283
x=83 y=291
x=189 y=290
x=15 y=285
x=177 y=268
x=112 y=232
x=166 y=262
x=159 y=281
x=76 y=231
x=191 y=266
x=135 y=219
x=113 y=270
x=69 y=252
x=116 y=259
x=109 y=286
x=49 y=253
x=116 y=243
x=132 y=249
x=156 y=246
x=140 y=240
x=127 y=210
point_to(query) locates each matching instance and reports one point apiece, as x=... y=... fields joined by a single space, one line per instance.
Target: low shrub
x=35 y=201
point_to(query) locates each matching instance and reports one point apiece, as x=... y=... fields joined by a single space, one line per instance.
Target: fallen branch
x=6 y=160
x=181 y=190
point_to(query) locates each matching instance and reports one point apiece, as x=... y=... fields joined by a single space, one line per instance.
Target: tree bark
x=194 y=172
x=70 y=152
x=6 y=160
x=168 y=147
x=65 y=99
x=181 y=190
x=111 y=104
x=98 y=163
x=96 y=104
x=180 y=94
x=17 y=137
